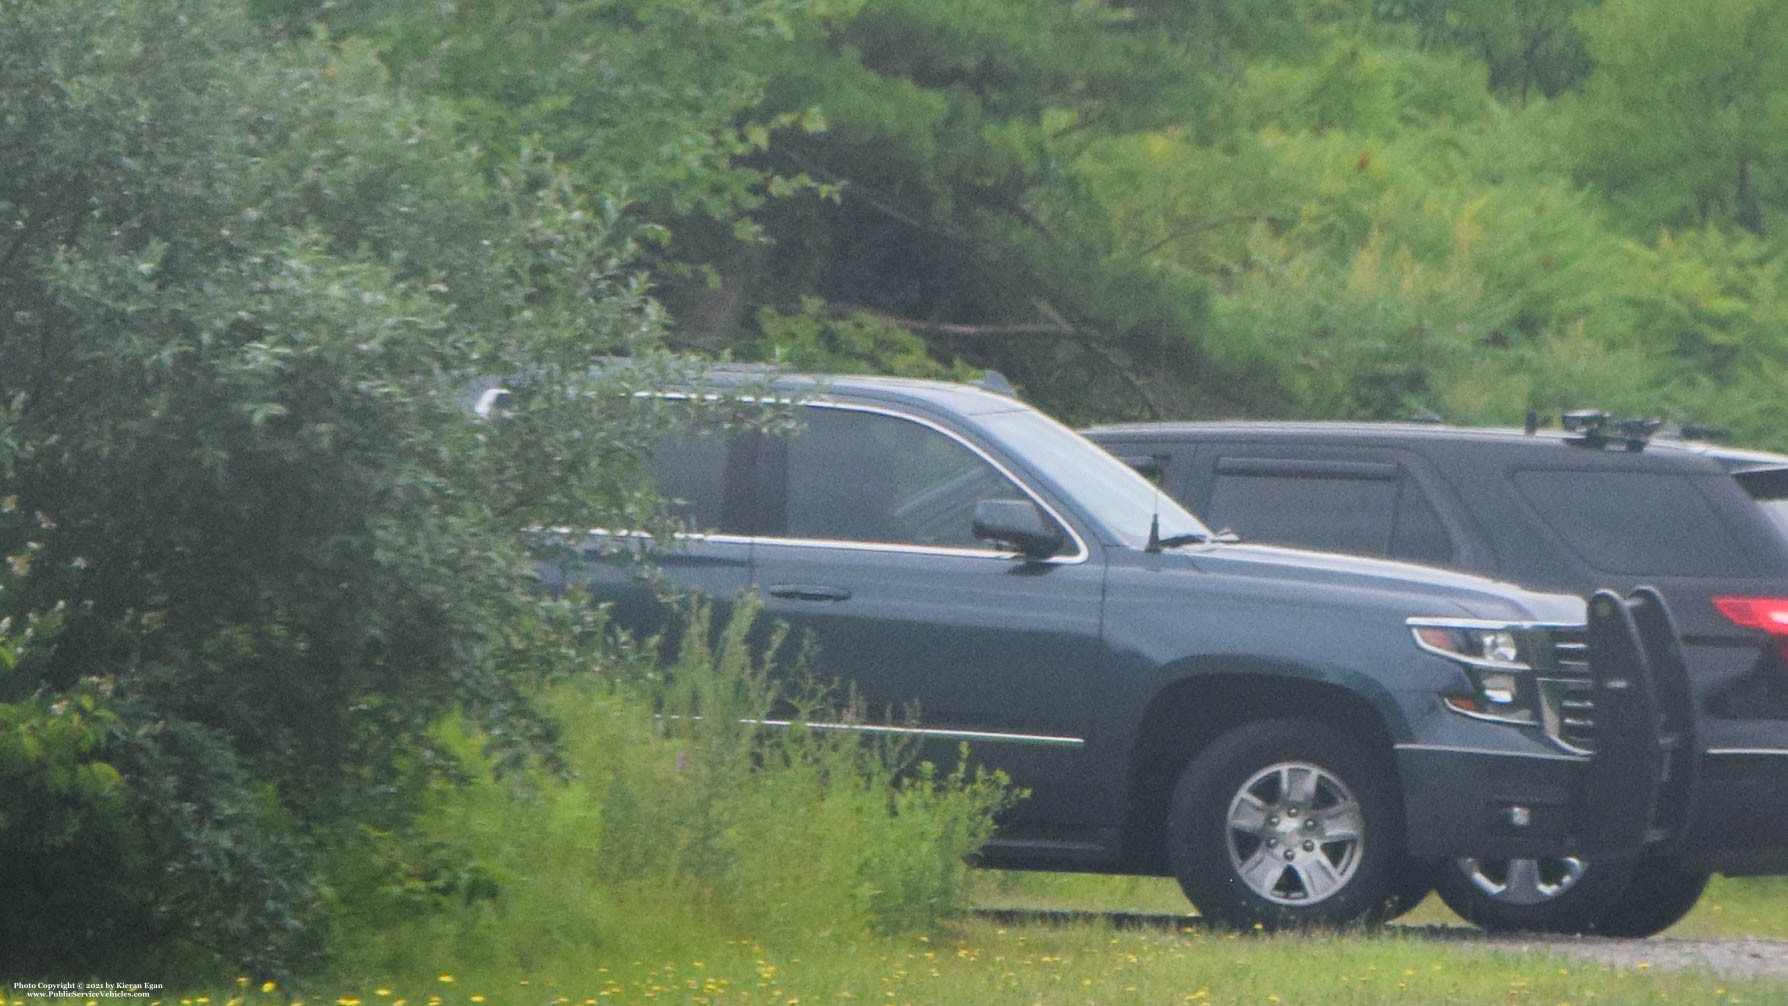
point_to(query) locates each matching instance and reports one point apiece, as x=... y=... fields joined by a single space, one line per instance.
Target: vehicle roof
x=1731 y=458
x=966 y=399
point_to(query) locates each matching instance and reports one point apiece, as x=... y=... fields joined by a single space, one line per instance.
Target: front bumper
x=1488 y=803
x=1505 y=793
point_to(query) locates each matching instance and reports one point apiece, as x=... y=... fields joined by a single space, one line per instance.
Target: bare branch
x=25 y=234
x=1201 y=226
x=1053 y=325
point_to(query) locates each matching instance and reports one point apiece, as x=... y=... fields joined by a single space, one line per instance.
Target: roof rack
x=1599 y=430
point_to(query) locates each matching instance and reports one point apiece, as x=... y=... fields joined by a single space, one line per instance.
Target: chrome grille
x=1566 y=692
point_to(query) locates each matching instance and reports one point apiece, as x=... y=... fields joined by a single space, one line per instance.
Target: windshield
x=1769 y=488
x=1100 y=485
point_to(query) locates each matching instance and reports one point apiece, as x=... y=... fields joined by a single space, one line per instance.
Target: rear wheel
x=1662 y=891
x=1622 y=897
x=1556 y=895
x=1286 y=824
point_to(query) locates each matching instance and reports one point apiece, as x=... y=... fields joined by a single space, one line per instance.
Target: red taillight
x=1767 y=613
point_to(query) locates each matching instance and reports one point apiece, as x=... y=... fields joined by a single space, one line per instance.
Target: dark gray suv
x=1603 y=504
x=1283 y=731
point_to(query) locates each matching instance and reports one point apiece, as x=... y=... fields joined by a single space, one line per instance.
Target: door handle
x=807 y=592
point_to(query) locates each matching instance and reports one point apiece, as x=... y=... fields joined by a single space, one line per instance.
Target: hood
x=1474 y=596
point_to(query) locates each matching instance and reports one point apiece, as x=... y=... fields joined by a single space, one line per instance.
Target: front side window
x=1094 y=482
x=863 y=476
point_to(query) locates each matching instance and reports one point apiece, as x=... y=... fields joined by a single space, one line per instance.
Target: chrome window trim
x=1036 y=740
x=889 y=546
x=690 y=536
x=1080 y=554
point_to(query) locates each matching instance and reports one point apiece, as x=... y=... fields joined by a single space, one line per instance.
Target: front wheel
x=1286 y=824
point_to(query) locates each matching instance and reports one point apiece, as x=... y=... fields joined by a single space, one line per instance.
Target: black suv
x=1598 y=504
x=1280 y=730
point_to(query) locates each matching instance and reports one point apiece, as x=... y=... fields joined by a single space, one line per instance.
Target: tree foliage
x=244 y=288
x=1528 y=47
x=1120 y=204
x=1685 y=122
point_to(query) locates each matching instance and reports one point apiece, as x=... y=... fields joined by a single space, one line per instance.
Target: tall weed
x=685 y=817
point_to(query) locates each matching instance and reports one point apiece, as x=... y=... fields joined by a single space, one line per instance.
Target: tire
x=1559 y=895
x=1625 y=897
x=1662 y=891
x=1286 y=824
x=1415 y=881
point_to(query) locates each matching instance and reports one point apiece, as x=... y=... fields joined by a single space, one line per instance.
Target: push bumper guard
x=1632 y=788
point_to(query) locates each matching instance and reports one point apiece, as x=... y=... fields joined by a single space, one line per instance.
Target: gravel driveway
x=1736 y=957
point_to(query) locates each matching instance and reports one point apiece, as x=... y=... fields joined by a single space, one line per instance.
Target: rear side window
x=1770 y=490
x=1647 y=523
x=1366 y=508
x=690 y=473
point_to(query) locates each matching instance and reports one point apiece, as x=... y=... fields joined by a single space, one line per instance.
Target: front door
x=865 y=542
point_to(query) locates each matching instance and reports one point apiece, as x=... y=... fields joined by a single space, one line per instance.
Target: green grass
x=977 y=960
x=980 y=962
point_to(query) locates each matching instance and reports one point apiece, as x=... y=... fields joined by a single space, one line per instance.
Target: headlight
x=1494 y=656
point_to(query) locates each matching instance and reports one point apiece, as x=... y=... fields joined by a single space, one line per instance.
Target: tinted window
x=689 y=472
x=1097 y=483
x=1648 y=523
x=862 y=476
x=1364 y=507
x=1417 y=534
x=1770 y=490
x=1335 y=514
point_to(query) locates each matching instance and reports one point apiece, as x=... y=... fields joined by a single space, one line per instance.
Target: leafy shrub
x=244 y=286
x=682 y=821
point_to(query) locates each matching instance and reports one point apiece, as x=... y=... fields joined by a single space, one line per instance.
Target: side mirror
x=1020 y=524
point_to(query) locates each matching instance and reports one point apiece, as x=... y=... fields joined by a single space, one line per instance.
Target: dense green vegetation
x=679 y=828
x=252 y=250
x=1222 y=207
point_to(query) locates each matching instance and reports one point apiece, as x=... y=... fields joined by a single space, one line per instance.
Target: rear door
x=1335 y=498
x=702 y=476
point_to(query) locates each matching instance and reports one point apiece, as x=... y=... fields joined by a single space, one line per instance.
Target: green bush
x=244 y=284
x=682 y=822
